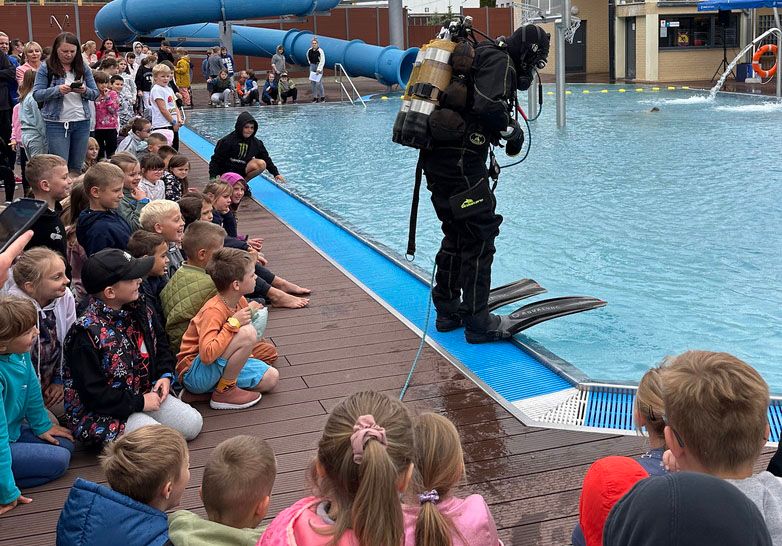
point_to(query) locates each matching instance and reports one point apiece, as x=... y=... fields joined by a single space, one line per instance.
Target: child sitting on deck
x=101 y=226
x=152 y=167
x=196 y=206
x=175 y=177
x=364 y=462
x=716 y=409
x=164 y=217
x=147 y=470
x=39 y=275
x=435 y=516
x=118 y=365
x=134 y=199
x=136 y=141
x=33 y=451
x=236 y=488
x=145 y=243
x=191 y=287
x=220 y=351
x=274 y=289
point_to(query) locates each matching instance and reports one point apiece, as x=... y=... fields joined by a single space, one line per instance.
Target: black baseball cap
x=112 y=265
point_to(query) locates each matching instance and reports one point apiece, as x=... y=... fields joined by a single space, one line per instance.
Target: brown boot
x=234 y=398
x=192 y=398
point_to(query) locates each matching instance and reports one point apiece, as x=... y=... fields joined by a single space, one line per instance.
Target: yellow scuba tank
x=400 y=117
x=431 y=79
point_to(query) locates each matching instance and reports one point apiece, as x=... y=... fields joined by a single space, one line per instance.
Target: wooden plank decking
x=346 y=342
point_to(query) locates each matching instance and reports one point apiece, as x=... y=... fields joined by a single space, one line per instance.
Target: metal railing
x=341 y=74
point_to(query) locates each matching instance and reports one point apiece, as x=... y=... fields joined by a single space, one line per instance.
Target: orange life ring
x=756 y=61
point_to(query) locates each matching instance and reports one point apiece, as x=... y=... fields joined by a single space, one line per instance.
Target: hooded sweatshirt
x=64 y=310
x=99 y=229
x=233 y=151
x=685 y=509
x=133 y=144
x=188 y=529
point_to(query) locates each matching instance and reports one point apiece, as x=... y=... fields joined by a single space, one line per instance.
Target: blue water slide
x=127 y=20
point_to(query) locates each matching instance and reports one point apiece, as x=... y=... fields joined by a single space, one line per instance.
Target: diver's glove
x=514 y=137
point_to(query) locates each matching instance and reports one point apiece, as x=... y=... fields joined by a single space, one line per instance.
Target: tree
x=488 y=3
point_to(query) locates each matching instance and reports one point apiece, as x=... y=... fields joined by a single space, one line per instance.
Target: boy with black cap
x=118 y=365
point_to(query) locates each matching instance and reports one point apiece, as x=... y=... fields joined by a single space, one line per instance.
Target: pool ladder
x=341 y=75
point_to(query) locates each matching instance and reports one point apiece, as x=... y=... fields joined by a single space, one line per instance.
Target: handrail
x=339 y=73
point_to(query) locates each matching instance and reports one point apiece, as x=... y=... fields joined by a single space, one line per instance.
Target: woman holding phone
x=64 y=87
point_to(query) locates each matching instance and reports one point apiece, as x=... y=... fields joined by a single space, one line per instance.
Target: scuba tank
x=406 y=98
x=411 y=127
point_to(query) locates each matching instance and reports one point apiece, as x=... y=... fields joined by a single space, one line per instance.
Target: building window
x=700 y=31
x=766 y=22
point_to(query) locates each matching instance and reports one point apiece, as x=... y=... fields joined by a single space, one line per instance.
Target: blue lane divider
x=506 y=368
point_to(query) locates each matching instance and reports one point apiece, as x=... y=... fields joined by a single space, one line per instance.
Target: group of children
x=381 y=476
x=131 y=312
x=706 y=415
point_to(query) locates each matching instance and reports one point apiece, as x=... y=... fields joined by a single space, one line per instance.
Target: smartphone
x=77 y=84
x=17 y=218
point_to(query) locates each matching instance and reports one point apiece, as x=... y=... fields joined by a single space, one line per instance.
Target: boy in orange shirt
x=220 y=351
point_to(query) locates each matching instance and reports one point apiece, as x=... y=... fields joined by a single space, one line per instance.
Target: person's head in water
x=654 y=109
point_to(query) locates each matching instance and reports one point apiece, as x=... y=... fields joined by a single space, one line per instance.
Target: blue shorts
x=202 y=378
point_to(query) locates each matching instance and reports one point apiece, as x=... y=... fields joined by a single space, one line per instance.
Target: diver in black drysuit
x=463 y=277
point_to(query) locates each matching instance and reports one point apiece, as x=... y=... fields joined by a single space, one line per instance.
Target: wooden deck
x=346 y=342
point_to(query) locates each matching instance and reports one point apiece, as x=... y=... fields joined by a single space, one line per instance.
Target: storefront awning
x=714 y=5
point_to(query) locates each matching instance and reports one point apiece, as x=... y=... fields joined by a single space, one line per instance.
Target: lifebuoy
x=756 y=61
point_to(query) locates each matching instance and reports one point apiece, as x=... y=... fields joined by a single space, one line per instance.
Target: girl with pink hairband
x=364 y=462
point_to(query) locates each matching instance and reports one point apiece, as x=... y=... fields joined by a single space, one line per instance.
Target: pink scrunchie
x=364 y=430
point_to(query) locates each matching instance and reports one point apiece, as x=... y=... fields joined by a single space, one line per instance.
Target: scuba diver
x=461 y=103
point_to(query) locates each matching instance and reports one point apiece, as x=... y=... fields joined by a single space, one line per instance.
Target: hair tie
x=364 y=430
x=429 y=496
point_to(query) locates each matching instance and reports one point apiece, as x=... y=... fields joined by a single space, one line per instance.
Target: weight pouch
x=455 y=95
x=445 y=125
x=476 y=200
x=462 y=58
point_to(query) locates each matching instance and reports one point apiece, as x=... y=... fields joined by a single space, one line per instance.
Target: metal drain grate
x=607 y=407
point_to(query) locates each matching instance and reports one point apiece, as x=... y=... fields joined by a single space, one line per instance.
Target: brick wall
x=678 y=65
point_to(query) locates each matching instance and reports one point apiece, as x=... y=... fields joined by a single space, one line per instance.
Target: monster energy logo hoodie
x=234 y=151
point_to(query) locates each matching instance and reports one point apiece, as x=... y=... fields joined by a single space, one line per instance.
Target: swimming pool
x=669 y=216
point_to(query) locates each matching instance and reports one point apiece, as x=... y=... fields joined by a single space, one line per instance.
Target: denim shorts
x=202 y=378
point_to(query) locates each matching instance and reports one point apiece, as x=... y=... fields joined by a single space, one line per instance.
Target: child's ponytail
x=439 y=466
x=365 y=453
x=377 y=512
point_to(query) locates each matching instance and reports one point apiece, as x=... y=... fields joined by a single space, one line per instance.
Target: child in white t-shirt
x=166 y=117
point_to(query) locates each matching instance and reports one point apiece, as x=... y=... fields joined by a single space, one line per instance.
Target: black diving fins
x=513 y=292
x=541 y=311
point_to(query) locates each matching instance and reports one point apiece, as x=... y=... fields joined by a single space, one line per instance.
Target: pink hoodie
x=295 y=526
x=470 y=516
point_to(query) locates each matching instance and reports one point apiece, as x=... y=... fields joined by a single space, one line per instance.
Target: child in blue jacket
x=101 y=226
x=147 y=470
x=33 y=450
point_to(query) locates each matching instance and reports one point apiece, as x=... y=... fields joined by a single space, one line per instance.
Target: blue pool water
x=672 y=217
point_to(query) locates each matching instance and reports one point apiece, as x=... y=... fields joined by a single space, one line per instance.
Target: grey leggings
x=173 y=413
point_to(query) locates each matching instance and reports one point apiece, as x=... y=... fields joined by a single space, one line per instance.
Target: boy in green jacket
x=236 y=489
x=190 y=287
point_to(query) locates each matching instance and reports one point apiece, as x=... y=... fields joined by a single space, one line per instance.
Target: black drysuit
x=463 y=278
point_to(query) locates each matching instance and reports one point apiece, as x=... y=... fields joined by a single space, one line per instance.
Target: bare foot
x=290 y=288
x=278 y=298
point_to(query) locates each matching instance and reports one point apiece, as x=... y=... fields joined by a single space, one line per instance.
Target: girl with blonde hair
x=434 y=516
x=364 y=462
